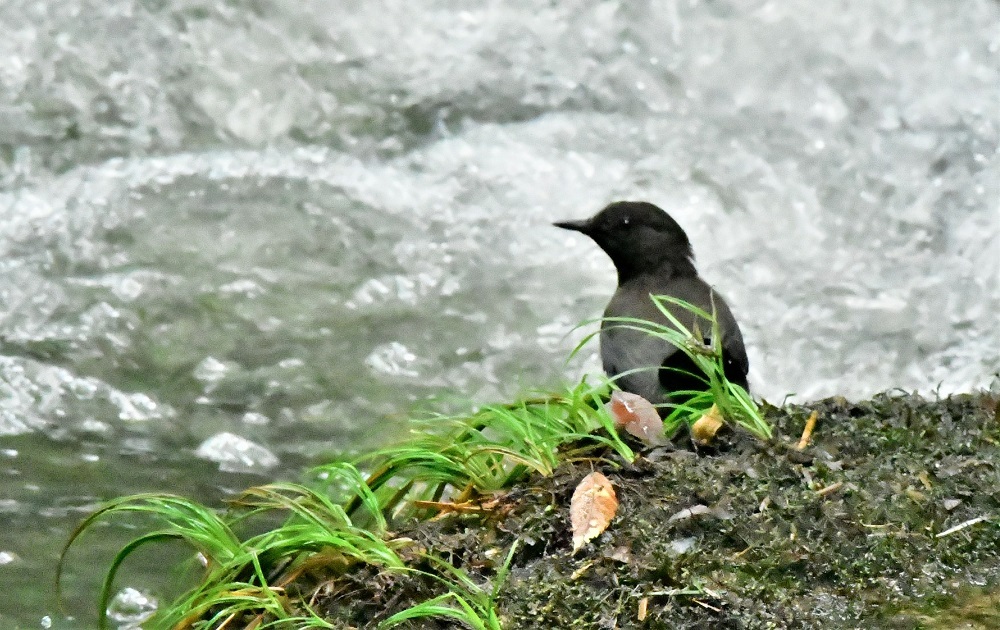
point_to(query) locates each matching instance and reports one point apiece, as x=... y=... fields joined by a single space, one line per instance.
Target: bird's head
x=639 y=237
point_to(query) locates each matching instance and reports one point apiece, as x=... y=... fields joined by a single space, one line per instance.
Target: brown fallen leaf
x=704 y=429
x=637 y=416
x=591 y=509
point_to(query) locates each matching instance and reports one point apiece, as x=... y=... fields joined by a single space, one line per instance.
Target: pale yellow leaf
x=704 y=429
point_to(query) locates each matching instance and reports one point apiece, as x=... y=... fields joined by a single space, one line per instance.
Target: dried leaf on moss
x=704 y=429
x=592 y=507
x=637 y=416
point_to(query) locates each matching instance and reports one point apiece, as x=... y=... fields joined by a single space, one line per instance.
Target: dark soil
x=852 y=532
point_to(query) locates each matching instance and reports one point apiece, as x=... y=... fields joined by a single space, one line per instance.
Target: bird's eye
x=625 y=220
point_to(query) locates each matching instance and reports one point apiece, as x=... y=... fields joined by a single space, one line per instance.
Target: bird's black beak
x=576 y=226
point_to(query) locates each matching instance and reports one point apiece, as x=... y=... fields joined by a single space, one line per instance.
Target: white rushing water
x=282 y=225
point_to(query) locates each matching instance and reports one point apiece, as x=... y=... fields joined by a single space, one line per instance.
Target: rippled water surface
x=237 y=238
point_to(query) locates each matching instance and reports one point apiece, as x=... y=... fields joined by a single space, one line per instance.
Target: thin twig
x=961 y=526
x=808 y=431
x=830 y=489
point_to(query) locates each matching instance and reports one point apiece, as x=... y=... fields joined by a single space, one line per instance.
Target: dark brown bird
x=653 y=256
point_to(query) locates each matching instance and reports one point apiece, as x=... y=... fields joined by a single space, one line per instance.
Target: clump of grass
x=341 y=521
x=248 y=577
x=180 y=518
x=465 y=457
x=734 y=402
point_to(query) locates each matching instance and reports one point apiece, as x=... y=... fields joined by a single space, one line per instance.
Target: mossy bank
x=887 y=520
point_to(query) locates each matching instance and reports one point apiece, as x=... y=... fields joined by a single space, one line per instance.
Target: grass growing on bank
x=464 y=457
x=341 y=521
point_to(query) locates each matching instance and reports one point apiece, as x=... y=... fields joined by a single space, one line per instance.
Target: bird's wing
x=734 y=353
x=624 y=350
x=635 y=351
x=734 y=357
